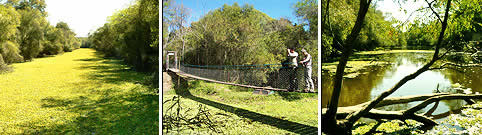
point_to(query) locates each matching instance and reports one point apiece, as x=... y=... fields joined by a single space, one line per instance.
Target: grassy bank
x=76 y=93
x=236 y=110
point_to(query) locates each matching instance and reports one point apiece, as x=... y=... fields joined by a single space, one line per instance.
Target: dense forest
x=239 y=35
x=27 y=34
x=131 y=34
x=381 y=31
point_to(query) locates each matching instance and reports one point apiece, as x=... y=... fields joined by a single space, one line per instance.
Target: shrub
x=10 y=52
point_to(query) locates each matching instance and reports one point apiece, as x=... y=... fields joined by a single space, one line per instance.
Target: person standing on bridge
x=293 y=64
x=306 y=62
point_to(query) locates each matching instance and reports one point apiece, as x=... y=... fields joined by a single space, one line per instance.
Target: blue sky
x=273 y=8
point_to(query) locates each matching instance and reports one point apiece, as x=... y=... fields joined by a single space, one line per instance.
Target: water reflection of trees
x=454 y=108
x=355 y=91
x=358 y=90
x=416 y=58
x=469 y=77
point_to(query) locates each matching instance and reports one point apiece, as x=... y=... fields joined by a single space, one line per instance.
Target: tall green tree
x=26 y=33
x=30 y=33
x=9 y=21
x=133 y=35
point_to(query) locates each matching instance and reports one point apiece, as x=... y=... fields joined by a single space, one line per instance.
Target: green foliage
x=236 y=35
x=240 y=35
x=308 y=11
x=26 y=33
x=9 y=21
x=10 y=52
x=68 y=39
x=30 y=33
x=24 y=4
x=133 y=35
x=84 y=42
x=376 y=32
x=463 y=26
x=341 y=17
x=230 y=35
x=465 y=23
x=52 y=44
x=422 y=34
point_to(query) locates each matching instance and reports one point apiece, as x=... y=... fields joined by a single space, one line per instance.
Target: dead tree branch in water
x=410 y=113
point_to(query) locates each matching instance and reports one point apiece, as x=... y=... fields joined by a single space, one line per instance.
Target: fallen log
x=410 y=113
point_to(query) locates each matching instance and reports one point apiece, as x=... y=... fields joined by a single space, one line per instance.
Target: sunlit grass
x=76 y=93
x=299 y=108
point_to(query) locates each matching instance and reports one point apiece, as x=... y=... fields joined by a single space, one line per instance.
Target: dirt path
x=166 y=82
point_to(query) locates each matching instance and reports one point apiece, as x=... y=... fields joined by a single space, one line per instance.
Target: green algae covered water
x=375 y=79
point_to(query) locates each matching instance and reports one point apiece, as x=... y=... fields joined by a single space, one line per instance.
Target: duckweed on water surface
x=76 y=93
x=468 y=122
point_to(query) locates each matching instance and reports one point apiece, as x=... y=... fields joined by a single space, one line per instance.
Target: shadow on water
x=126 y=113
x=181 y=88
x=100 y=110
x=111 y=70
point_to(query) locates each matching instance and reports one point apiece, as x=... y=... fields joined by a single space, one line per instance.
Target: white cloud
x=83 y=16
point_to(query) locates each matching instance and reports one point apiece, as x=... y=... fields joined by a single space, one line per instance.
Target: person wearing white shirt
x=306 y=62
x=292 y=56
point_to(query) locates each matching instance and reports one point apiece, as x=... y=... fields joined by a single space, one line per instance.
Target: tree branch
x=352 y=118
x=406 y=114
x=347 y=51
x=344 y=111
x=436 y=14
x=442 y=97
x=407 y=99
x=445 y=65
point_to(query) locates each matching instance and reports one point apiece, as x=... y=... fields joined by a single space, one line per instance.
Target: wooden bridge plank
x=185 y=75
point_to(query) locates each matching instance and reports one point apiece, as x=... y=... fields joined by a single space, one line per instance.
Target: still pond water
x=375 y=80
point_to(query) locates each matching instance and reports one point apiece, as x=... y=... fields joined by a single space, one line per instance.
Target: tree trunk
x=355 y=116
x=330 y=117
x=330 y=123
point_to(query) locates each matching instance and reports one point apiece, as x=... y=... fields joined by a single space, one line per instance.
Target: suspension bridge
x=262 y=77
